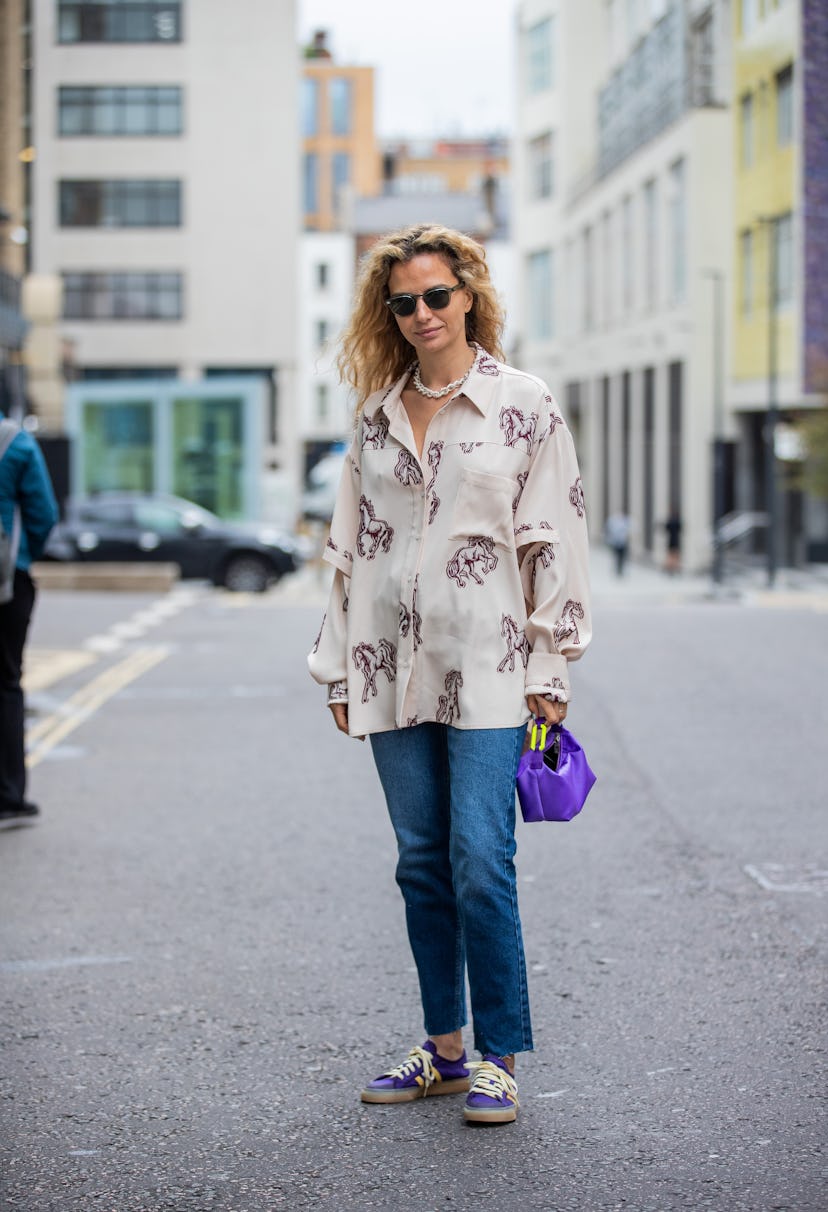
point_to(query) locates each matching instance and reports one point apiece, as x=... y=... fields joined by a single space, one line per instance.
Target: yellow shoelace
x=491 y=1080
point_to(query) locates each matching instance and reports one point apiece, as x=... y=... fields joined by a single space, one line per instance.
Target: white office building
x=166 y=196
x=623 y=169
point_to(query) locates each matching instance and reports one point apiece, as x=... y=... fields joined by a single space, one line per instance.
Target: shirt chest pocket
x=483 y=506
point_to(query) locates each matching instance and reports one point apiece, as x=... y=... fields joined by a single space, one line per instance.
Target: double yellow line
x=42 y=738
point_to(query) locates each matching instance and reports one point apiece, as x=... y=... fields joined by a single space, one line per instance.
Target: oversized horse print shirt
x=461 y=580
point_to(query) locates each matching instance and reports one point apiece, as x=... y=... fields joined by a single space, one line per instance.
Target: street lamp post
x=718 y=421
x=772 y=412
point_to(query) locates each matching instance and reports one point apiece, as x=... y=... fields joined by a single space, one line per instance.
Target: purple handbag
x=553 y=780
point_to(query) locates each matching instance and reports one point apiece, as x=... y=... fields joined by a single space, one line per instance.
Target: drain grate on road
x=789 y=877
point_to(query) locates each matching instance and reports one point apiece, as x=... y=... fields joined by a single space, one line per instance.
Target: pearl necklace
x=440 y=391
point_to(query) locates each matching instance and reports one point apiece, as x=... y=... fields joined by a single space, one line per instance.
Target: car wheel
x=247 y=574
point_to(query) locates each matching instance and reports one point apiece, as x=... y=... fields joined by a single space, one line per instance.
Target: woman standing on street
x=460 y=595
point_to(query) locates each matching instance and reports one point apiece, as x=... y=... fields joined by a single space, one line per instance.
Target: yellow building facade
x=340 y=154
x=766 y=176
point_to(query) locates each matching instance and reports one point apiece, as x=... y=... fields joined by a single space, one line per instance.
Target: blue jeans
x=451 y=798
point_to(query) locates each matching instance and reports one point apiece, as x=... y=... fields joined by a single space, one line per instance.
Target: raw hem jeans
x=451 y=798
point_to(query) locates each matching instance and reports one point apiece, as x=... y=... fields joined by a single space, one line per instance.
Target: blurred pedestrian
x=28 y=511
x=460 y=595
x=672 y=562
x=617 y=537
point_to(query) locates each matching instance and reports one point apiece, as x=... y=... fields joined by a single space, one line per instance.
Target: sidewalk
x=795 y=588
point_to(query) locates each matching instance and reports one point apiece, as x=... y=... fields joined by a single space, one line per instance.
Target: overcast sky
x=443 y=67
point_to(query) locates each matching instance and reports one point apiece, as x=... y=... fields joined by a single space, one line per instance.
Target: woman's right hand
x=340 y=715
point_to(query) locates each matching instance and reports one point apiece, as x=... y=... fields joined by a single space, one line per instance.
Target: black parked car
x=149 y=527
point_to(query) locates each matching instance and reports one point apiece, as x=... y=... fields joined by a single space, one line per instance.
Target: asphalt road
x=202 y=949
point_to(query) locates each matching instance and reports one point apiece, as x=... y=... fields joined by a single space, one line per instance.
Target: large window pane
x=310 y=106
x=678 y=231
x=541 y=167
x=118 y=447
x=123 y=296
x=783 y=253
x=540 y=56
x=311 y=183
x=340 y=176
x=120 y=203
x=541 y=303
x=120 y=111
x=119 y=20
x=340 y=96
x=784 y=107
x=208 y=445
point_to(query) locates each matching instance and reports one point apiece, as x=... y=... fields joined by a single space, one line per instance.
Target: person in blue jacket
x=24 y=486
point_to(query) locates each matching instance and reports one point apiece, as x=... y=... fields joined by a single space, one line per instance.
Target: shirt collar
x=480 y=388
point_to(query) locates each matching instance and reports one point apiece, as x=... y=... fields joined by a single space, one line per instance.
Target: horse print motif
x=523 y=476
x=411 y=619
x=321 y=629
x=369 y=661
x=516 y=642
x=576 y=497
x=477 y=557
x=546 y=555
x=374 y=534
x=448 y=704
x=355 y=468
x=517 y=427
x=412 y=722
x=374 y=432
x=468 y=447
x=338 y=692
x=408 y=470
x=435 y=454
x=566 y=628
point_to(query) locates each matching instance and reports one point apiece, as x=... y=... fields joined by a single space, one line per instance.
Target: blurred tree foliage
x=812 y=474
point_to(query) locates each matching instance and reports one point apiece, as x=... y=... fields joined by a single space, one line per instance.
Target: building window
x=650 y=245
x=540 y=58
x=120 y=204
x=750 y=15
x=311 y=183
x=784 y=106
x=341 y=96
x=323 y=275
x=627 y=249
x=321 y=332
x=120 y=111
x=541 y=175
x=310 y=106
x=746 y=272
x=340 y=177
x=678 y=232
x=119 y=21
x=322 y=402
x=608 y=282
x=746 y=130
x=541 y=310
x=783 y=258
x=122 y=296
x=589 y=280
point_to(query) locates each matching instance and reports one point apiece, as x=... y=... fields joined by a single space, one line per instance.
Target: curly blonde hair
x=373 y=351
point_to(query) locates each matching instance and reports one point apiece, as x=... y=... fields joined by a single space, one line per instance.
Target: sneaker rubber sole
x=458 y=1085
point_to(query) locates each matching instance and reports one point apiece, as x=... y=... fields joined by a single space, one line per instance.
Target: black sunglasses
x=436 y=298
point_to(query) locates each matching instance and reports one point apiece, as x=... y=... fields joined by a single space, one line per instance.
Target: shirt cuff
x=337 y=692
x=546 y=673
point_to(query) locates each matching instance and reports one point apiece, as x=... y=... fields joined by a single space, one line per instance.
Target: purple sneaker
x=423 y=1072
x=493 y=1098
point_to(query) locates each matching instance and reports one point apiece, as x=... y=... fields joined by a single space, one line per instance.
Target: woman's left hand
x=550 y=710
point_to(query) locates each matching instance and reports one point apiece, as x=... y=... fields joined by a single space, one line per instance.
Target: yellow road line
x=43 y=737
x=45 y=666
